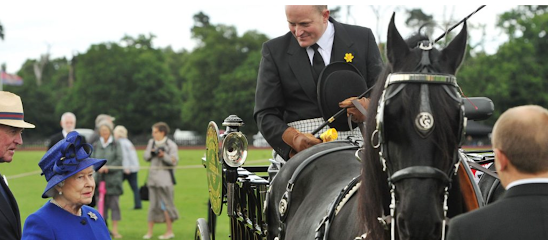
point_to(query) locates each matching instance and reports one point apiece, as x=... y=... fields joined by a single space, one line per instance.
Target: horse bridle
x=424 y=124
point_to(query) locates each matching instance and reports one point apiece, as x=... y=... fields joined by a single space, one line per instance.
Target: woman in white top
x=130 y=162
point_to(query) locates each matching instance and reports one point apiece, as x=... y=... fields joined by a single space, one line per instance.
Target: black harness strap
x=483 y=169
x=322 y=232
x=419 y=172
x=284 y=204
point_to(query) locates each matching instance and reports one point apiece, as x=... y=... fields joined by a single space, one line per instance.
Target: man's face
x=68 y=123
x=306 y=23
x=10 y=137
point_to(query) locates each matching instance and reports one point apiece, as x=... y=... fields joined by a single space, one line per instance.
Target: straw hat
x=11 y=111
x=66 y=158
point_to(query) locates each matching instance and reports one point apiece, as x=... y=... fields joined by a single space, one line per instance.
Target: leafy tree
x=517 y=73
x=1 y=31
x=236 y=92
x=335 y=12
x=219 y=55
x=131 y=83
x=417 y=19
x=175 y=60
x=39 y=101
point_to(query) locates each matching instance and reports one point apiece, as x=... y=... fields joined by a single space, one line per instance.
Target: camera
x=157 y=151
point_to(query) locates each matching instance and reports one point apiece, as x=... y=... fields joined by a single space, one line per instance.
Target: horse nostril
x=412 y=229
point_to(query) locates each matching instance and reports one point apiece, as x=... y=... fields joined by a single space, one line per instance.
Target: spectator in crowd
x=130 y=163
x=68 y=170
x=12 y=124
x=162 y=153
x=99 y=119
x=68 y=123
x=111 y=173
x=286 y=105
x=520 y=137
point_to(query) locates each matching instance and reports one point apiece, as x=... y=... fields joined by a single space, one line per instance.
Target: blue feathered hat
x=66 y=158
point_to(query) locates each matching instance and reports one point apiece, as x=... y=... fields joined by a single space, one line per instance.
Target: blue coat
x=52 y=222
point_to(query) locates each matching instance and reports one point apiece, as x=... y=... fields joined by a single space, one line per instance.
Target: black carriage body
x=247 y=219
x=242 y=190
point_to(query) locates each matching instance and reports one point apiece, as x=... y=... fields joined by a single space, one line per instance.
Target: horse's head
x=416 y=131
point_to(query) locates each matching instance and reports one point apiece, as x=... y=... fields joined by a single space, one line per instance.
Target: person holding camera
x=162 y=153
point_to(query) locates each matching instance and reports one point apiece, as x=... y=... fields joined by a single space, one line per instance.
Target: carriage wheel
x=202 y=230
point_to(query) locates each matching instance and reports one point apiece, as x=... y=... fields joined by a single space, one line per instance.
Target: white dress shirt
x=526 y=181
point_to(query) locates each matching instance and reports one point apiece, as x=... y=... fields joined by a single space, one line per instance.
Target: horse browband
x=430 y=78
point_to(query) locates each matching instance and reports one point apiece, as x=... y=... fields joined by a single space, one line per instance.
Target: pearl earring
x=60 y=193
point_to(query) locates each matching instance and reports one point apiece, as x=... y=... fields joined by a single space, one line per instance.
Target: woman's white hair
x=120 y=131
x=53 y=192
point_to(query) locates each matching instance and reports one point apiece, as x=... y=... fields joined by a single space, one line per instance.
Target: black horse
x=408 y=158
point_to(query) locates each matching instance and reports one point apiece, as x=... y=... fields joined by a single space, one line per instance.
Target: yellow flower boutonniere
x=348 y=57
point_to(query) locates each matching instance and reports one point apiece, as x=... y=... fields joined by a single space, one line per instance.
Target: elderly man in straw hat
x=11 y=127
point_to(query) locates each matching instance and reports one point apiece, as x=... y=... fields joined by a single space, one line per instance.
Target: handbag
x=172 y=177
x=143 y=192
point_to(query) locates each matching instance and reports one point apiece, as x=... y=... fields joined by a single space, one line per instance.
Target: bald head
x=307 y=23
x=522 y=134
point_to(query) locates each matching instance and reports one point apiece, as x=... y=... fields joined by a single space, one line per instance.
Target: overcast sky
x=71 y=27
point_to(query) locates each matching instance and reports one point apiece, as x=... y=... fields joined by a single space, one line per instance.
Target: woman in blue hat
x=68 y=170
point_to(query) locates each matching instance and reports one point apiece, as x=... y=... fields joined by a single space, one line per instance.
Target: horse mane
x=374 y=193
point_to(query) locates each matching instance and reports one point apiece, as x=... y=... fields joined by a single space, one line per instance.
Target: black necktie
x=317 y=62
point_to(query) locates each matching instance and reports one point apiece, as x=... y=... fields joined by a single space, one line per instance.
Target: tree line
x=140 y=84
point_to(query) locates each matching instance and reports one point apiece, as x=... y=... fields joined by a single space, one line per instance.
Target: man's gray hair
x=68 y=114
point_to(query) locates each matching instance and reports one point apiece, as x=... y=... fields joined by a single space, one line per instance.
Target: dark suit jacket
x=521 y=213
x=286 y=90
x=10 y=221
x=55 y=138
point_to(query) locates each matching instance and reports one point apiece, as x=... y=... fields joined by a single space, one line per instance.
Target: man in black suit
x=520 y=143
x=11 y=127
x=286 y=106
x=68 y=123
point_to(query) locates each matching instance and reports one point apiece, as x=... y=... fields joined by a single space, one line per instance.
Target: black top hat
x=337 y=82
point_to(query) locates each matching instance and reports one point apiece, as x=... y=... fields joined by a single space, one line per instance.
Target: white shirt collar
x=326 y=44
x=526 y=181
x=109 y=141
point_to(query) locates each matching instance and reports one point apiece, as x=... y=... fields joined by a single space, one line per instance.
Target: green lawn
x=191 y=193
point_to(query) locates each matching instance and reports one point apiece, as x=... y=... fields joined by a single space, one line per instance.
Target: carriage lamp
x=233 y=123
x=234 y=149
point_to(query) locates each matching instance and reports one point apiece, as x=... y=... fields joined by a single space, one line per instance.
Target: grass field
x=191 y=192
